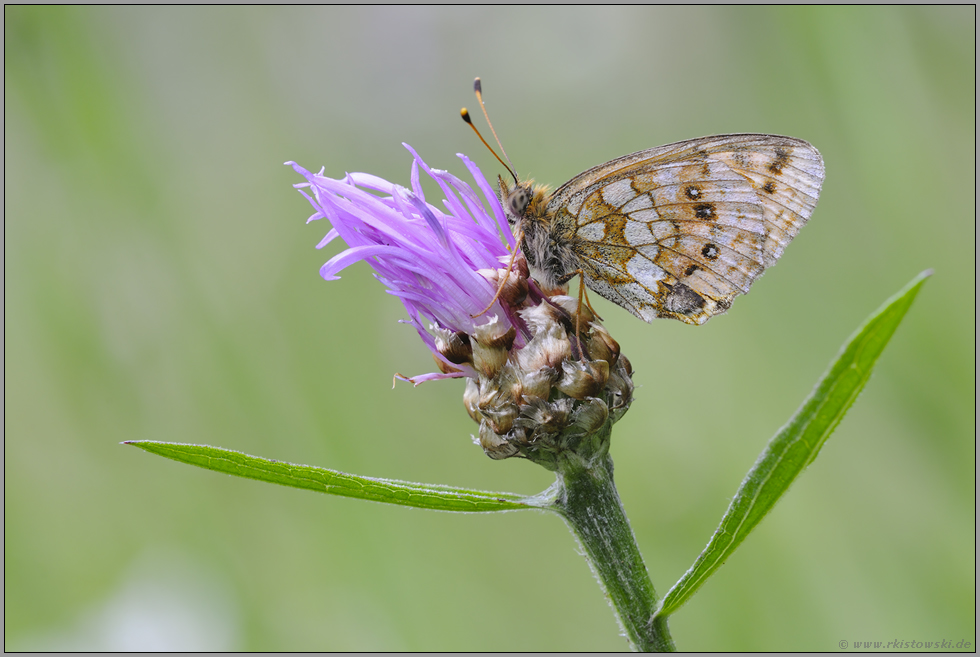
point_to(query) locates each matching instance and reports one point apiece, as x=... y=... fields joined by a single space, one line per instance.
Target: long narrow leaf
x=423 y=496
x=797 y=444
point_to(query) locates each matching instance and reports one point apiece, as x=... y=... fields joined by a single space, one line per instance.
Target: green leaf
x=797 y=443
x=423 y=496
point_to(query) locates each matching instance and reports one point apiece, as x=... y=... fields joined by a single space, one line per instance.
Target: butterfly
x=675 y=231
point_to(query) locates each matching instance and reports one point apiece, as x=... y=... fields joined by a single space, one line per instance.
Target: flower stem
x=586 y=498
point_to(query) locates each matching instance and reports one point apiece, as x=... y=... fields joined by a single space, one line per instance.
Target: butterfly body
x=676 y=231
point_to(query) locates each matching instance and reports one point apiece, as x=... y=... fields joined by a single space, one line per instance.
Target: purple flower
x=542 y=374
x=443 y=264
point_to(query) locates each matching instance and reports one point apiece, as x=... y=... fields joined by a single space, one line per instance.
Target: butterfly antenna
x=478 y=90
x=466 y=117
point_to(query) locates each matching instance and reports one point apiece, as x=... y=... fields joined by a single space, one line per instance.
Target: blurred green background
x=160 y=284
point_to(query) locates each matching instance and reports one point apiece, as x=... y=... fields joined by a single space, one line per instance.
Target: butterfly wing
x=680 y=230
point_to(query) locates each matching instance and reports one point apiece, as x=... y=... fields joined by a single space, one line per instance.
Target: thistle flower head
x=441 y=263
x=542 y=375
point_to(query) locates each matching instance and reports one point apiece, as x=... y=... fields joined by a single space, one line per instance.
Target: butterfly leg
x=582 y=295
x=503 y=280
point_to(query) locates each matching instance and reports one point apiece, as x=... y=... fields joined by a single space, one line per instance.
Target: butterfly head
x=523 y=202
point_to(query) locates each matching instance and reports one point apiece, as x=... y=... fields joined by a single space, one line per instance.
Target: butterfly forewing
x=680 y=230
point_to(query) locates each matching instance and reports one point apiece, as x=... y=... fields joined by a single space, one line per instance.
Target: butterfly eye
x=517 y=202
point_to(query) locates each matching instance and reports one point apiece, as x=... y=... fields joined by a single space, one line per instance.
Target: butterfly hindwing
x=680 y=230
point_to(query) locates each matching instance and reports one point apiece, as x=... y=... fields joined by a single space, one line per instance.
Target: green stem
x=586 y=498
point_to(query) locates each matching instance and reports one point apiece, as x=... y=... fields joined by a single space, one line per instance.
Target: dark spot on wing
x=705 y=166
x=683 y=300
x=704 y=211
x=782 y=157
x=710 y=251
